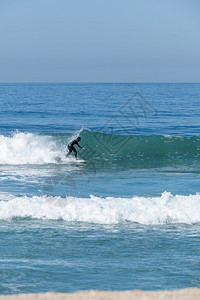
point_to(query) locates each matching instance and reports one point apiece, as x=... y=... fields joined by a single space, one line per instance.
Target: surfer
x=71 y=146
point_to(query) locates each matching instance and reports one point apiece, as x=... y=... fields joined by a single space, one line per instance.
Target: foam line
x=145 y=210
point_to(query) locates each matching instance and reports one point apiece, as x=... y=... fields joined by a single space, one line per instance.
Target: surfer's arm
x=79 y=145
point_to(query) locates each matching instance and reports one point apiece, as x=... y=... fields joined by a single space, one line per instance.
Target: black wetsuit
x=71 y=147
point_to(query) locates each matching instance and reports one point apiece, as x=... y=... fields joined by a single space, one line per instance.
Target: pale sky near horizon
x=99 y=41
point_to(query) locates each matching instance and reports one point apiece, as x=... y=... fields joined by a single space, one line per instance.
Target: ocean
x=126 y=214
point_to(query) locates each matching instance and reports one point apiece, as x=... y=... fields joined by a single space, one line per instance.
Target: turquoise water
x=126 y=215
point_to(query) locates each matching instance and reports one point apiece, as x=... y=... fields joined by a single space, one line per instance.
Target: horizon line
x=99 y=82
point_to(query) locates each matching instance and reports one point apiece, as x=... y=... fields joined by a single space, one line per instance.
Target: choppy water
x=126 y=215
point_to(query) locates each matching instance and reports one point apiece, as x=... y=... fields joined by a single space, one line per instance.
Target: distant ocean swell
x=166 y=209
x=154 y=150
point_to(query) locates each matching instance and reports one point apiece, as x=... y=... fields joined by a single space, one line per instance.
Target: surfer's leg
x=68 y=153
x=70 y=150
x=73 y=149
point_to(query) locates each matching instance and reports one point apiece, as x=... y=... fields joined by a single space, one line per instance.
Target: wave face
x=134 y=146
x=139 y=150
x=166 y=209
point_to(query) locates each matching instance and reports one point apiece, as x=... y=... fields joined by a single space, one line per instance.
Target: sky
x=99 y=41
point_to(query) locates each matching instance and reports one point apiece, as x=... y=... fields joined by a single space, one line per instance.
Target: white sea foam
x=28 y=148
x=144 y=210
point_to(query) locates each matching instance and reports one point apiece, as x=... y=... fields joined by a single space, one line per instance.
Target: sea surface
x=126 y=214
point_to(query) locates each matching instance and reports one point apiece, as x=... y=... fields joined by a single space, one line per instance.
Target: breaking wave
x=144 y=210
x=136 y=150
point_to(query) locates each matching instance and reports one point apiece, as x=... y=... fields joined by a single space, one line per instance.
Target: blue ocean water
x=126 y=215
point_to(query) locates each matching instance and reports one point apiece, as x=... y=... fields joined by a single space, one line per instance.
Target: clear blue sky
x=99 y=41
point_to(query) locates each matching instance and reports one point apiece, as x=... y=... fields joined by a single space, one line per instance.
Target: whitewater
x=167 y=209
x=28 y=148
